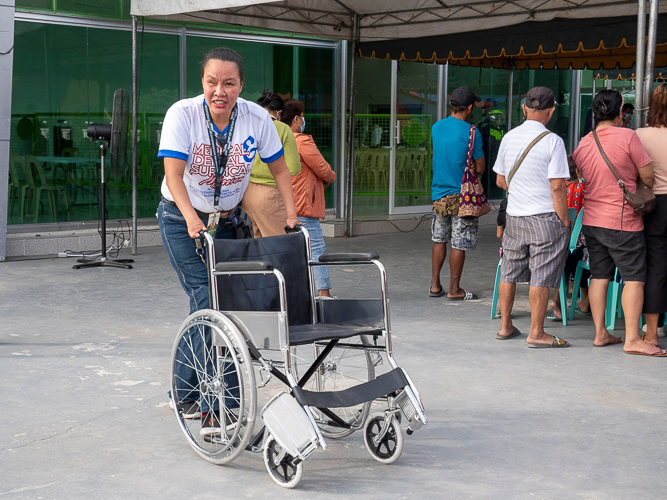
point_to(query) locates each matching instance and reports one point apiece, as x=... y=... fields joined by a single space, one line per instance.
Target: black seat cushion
x=288 y=254
x=307 y=334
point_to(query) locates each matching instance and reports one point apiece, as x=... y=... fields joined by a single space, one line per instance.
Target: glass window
x=64 y=79
x=98 y=8
x=35 y=5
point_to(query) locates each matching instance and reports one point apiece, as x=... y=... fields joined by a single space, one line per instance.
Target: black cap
x=540 y=98
x=464 y=96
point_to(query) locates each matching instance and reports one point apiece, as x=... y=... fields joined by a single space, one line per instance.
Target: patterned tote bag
x=473 y=199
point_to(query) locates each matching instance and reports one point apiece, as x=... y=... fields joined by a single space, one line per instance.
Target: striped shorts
x=534 y=250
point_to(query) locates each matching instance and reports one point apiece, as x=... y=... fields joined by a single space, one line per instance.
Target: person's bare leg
x=555 y=305
x=325 y=293
x=597 y=295
x=584 y=305
x=506 y=292
x=539 y=298
x=633 y=301
x=438 y=255
x=457 y=259
x=651 y=328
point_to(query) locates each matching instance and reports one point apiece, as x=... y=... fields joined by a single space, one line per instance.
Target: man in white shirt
x=532 y=167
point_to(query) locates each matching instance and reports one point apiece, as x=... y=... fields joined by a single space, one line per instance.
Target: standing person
x=262 y=200
x=654 y=140
x=315 y=175
x=450 y=150
x=613 y=230
x=532 y=167
x=628 y=111
x=208 y=144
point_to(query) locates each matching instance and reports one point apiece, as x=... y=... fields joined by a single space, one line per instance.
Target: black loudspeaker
x=113 y=137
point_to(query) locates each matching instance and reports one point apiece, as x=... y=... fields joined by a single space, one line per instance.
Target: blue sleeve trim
x=273 y=157
x=168 y=153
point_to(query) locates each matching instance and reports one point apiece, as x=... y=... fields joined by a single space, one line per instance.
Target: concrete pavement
x=84 y=375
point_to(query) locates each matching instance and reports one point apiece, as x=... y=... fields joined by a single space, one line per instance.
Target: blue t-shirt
x=450 y=150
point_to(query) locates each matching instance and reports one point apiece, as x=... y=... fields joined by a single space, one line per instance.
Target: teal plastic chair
x=574 y=236
x=581 y=266
x=494 y=302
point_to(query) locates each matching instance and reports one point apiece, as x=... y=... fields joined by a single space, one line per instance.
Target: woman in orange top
x=308 y=186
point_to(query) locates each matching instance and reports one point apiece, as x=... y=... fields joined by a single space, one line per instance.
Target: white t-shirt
x=185 y=136
x=530 y=190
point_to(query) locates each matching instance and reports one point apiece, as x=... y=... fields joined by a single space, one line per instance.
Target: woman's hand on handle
x=292 y=222
x=195 y=227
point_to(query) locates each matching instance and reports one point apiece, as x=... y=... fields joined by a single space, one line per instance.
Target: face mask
x=626 y=115
x=303 y=124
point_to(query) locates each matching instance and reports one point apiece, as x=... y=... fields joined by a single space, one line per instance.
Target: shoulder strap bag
x=472 y=199
x=642 y=201
x=524 y=154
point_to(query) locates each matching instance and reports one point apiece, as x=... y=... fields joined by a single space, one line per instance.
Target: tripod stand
x=103 y=261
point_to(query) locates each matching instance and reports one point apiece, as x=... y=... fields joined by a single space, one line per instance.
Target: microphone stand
x=103 y=261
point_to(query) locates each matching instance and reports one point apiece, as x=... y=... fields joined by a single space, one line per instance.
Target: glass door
x=414 y=110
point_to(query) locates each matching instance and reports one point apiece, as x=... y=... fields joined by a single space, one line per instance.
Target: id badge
x=213 y=220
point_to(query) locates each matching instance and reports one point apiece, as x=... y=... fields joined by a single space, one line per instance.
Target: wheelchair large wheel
x=212 y=367
x=283 y=468
x=345 y=366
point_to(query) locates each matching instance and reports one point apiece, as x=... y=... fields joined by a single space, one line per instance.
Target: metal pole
x=135 y=110
x=446 y=90
x=510 y=98
x=349 y=181
x=592 y=118
x=442 y=91
x=575 y=108
x=639 y=63
x=341 y=205
x=182 y=61
x=394 y=137
x=650 y=57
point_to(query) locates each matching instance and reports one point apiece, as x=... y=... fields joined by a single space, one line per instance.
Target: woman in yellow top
x=262 y=200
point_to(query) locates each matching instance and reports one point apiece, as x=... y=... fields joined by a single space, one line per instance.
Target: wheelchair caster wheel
x=284 y=469
x=383 y=438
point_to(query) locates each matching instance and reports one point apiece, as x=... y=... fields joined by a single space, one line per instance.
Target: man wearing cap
x=450 y=151
x=532 y=167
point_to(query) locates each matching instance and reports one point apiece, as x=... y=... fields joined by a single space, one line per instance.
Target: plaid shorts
x=461 y=232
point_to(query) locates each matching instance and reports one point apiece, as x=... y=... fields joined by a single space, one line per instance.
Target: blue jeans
x=317 y=247
x=193 y=275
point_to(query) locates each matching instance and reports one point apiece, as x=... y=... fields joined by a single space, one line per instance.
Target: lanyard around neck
x=220 y=162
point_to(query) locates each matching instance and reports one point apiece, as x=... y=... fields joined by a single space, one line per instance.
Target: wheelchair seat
x=308 y=334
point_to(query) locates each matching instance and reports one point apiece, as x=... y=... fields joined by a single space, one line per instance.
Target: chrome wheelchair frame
x=220 y=347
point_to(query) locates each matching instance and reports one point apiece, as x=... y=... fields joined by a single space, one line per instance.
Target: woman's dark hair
x=293 y=108
x=223 y=54
x=629 y=106
x=607 y=105
x=573 y=168
x=657 y=115
x=271 y=101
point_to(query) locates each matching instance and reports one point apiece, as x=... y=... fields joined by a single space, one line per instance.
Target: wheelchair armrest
x=243 y=266
x=348 y=257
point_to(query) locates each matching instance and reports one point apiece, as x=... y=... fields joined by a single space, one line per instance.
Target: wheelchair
x=267 y=323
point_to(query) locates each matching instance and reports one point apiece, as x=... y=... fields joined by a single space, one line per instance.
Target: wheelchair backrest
x=288 y=254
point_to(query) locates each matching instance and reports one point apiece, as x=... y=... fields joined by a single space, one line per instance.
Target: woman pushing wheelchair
x=209 y=144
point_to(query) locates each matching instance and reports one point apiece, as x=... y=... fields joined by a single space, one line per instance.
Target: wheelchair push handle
x=295 y=229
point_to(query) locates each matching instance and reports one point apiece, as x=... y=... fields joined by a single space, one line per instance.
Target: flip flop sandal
x=468 y=296
x=577 y=310
x=555 y=343
x=439 y=293
x=554 y=318
x=515 y=333
x=656 y=352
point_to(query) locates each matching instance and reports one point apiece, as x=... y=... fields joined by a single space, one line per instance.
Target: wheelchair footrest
x=385 y=384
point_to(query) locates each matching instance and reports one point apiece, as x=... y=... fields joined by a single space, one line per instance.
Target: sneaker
x=189 y=409
x=210 y=426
